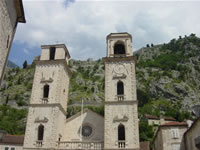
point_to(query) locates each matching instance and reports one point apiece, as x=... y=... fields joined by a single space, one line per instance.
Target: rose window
x=86 y=131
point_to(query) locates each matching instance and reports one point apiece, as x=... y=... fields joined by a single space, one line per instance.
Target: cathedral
x=47 y=126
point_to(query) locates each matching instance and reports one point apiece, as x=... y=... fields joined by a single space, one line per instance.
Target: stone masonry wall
x=8 y=19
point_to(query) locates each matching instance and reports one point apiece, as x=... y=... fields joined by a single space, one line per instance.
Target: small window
x=6 y=148
x=12 y=148
x=176 y=146
x=52 y=53
x=8 y=40
x=120 y=88
x=46 y=91
x=175 y=133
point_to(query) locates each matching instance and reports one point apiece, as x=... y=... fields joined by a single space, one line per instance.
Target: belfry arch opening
x=120 y=88
x=40 y=132
x=46 y=91
x=52 y=53
x=119 y=48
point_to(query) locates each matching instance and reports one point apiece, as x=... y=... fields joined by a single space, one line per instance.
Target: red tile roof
x=145 y=145
x=169 y=118
x=12 y=139
x=148 y=116
x=151 y=117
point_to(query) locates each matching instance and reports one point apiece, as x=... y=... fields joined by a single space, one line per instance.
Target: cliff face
x=171 y=71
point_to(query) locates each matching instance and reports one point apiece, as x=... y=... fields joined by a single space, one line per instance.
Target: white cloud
x=83 y=25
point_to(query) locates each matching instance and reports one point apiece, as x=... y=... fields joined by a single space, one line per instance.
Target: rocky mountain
x=168 y=81
x=171 y=71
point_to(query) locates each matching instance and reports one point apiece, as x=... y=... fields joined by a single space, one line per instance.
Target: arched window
x=52 y=53
x=121 y=136
x=120 y=88
x=119 y=48
x=46 y=91
x=121 y=132
x=40 y=132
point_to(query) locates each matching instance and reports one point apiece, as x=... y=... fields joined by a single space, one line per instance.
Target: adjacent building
x=154 y=120
x=11 y=13
x=191 y=140
x=169 y=136
x=10 y=142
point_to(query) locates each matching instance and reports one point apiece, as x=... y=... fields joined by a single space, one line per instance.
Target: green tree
x=25 y=64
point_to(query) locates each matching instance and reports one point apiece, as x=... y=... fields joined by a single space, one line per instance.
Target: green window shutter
x=6 y=148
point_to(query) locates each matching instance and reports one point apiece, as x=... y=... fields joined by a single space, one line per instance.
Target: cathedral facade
x=47 y=126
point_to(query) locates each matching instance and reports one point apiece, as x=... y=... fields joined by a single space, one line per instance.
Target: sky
x=82 y=25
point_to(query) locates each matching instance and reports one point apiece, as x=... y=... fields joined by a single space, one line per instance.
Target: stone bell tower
x=121 y=112
x=48 y=103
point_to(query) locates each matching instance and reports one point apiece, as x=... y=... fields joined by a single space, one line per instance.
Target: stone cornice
x=49 y=105
x=57 y=61
x=118 y=59
x=119 y=35
x=121 y=102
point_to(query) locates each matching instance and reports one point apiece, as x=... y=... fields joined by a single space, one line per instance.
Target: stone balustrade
x=121 y=144
x=120 y=97
x=39 y=143
x=45 y=100
x=80 y=145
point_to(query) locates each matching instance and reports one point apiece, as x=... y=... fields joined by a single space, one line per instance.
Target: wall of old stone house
x=17 y=147
x=168 y=139
x=8 y=24
x=158 y=142
x=190 y=137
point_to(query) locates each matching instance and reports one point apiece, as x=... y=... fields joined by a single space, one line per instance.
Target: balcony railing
x=121 y=144
x=39 y=143
x=120 y=97
x=80 y=145
x=44 y=100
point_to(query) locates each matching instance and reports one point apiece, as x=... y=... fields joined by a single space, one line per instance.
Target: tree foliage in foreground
x=12 y=120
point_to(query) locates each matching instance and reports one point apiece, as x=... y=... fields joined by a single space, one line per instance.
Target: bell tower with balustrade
x=121 y=111
x=48 y=102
